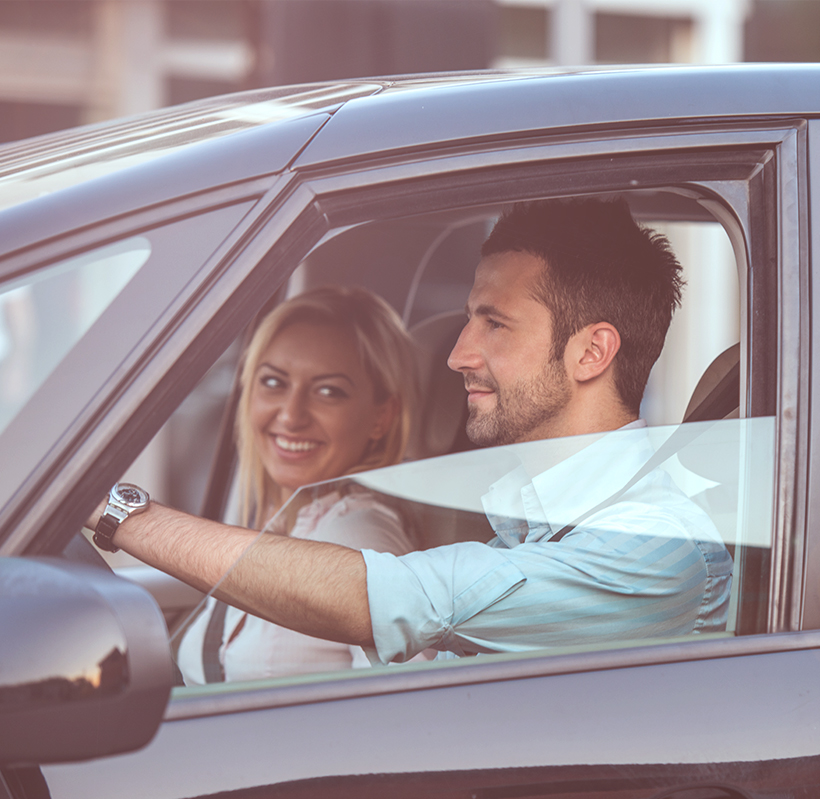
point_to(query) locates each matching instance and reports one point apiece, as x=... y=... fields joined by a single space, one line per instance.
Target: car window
x=45 y=313
x=424 y=267
x=69 y=326
x=680 y=493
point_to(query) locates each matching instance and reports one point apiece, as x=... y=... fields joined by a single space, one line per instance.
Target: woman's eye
x=271 y=381
x=332 y=392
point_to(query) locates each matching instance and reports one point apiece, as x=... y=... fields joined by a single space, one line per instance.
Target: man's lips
x=476 y=393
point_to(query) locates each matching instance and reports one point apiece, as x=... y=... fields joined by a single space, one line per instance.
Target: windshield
x=635 y=535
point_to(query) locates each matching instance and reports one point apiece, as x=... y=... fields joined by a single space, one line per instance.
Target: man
x=568 y=313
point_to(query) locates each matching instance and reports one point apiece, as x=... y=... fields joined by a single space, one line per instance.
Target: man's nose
x=465 y=356
x=294 y=412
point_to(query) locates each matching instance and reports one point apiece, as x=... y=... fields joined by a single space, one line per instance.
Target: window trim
x=222 y=698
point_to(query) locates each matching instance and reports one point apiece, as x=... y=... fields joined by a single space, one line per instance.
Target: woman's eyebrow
x=336 y=376
x=315 y=378
x=270 y=366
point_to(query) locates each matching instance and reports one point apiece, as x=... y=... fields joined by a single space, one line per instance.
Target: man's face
x=515 y=391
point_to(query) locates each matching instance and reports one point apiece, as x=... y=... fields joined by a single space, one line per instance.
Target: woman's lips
x=295 y=446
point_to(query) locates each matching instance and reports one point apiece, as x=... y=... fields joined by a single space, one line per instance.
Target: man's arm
x=315 y=588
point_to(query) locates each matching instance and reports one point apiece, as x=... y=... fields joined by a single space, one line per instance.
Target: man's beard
x=520 y=409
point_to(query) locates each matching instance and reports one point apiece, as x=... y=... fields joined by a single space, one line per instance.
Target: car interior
x=423 y=265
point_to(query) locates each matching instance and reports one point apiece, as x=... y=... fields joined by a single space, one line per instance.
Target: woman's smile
x=294 y=444
x=313 y=409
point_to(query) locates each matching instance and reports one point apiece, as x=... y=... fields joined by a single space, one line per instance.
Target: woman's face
x=312 y=406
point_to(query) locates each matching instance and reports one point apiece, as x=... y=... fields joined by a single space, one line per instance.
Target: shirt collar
x=522 y=508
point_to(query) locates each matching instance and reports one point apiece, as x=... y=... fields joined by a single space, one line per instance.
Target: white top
x=647 y=563
x=261 y=649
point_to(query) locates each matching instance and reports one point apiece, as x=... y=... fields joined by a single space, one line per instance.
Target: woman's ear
x=591 y=350
x=385 y=415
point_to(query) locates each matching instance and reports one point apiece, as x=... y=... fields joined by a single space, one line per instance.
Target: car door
x=649 y=719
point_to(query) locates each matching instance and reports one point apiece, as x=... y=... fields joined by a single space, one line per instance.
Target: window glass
x=628 y=519
x=45 y=313
x=719 y=473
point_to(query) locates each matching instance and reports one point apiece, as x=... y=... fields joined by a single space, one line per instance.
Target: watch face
x=130 y=495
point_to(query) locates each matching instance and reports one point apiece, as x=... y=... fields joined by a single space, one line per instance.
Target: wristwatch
x=124 y=500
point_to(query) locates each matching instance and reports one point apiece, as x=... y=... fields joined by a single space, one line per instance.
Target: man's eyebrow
x=486 y=309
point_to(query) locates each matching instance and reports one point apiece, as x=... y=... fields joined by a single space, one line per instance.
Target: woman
x=327 y=384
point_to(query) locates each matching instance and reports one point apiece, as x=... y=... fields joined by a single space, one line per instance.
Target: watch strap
x=105 y=529
x=119 y=507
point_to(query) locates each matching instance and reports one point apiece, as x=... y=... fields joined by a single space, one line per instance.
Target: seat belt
x=685 y=434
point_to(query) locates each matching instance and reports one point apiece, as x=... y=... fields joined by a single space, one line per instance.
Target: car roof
x=147 y=159
x=494 y=100
x=414 y=116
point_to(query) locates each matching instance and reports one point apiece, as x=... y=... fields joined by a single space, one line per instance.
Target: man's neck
x=558 y=448
x=579 y=420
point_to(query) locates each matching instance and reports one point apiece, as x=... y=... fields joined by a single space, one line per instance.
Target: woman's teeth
x=295 y=446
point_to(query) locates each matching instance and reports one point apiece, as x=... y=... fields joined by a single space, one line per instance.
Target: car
x=135 y=256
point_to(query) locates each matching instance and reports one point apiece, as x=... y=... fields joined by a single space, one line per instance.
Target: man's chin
x=482 y=431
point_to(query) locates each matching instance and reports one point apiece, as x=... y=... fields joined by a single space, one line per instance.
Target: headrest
x=443 y=412
x=717 y=394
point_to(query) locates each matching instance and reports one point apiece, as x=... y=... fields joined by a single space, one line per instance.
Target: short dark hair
x=600 y=266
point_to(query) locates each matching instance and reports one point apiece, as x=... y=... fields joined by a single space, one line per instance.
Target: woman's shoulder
x=343 y=502
x=355 y=518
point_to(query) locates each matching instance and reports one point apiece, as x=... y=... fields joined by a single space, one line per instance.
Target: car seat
x=442 y=415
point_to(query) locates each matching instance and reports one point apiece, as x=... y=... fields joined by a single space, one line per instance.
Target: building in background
x=70 y=62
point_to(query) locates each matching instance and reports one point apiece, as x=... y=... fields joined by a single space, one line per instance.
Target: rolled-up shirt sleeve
x=418 y=601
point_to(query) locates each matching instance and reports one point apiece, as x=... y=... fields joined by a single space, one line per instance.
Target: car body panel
x=500 y=726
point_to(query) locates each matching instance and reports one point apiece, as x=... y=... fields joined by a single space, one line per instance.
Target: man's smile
x=477 y=390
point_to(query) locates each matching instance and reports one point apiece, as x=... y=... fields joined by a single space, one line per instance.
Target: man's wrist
x=124 y=500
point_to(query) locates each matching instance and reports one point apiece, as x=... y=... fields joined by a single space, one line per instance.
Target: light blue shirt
x=649 y=564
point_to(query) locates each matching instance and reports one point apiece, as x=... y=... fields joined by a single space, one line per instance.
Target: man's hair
x=600 y=266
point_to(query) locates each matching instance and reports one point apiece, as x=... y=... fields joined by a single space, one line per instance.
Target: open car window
x=423 y=266
x=625 y=513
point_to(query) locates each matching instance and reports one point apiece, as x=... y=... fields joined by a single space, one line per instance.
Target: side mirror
x=85 y=666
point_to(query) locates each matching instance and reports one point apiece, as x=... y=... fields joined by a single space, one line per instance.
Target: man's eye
x=493 y=324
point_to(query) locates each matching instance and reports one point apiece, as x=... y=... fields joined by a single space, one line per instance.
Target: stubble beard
x=521 y=409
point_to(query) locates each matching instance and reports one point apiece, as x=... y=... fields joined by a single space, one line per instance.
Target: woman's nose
x=294 y=412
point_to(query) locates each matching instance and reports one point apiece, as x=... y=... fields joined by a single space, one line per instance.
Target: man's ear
x=591 y=351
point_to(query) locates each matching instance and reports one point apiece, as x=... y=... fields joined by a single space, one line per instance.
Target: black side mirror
x=85 y=667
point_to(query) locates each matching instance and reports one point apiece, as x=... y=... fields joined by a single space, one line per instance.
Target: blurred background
x=65 y=63
x=69 y=62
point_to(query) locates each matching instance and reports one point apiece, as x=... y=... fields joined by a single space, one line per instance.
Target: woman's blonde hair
x=386 y=352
